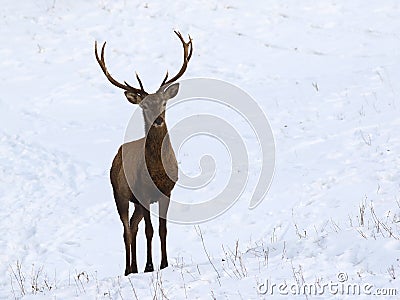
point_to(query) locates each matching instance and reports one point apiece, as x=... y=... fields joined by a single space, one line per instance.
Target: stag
x=145 y=171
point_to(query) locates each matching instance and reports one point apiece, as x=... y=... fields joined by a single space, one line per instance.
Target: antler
x=187 y=54
x=125 y=86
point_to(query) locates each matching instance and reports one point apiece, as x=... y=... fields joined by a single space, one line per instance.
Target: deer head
x=153 y=105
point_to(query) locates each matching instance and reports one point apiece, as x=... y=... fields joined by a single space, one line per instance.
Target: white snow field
x=326 y=74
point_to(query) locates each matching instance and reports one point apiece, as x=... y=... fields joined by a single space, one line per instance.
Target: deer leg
x=123 y=211
x=162 y=231
x=149 y=236
x=135 y=220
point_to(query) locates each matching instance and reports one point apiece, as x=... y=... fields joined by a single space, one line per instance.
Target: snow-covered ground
x=326 y=74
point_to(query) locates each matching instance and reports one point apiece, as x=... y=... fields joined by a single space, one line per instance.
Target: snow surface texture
x=325 y=73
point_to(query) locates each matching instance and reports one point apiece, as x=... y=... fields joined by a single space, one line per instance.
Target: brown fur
x=163 y=170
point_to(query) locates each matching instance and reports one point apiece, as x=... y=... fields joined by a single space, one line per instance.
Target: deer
x=145 y=171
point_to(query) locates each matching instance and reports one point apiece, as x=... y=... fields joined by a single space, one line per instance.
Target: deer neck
x=156 y=138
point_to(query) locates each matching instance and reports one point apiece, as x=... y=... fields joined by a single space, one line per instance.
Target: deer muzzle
x=159 y=121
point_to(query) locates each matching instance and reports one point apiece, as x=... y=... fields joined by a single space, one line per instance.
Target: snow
x=324 y=72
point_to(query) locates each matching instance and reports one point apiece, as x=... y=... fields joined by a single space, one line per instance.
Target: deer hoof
x=149 y=267
x=134 y=269
x=128 y=271
x=163 y=265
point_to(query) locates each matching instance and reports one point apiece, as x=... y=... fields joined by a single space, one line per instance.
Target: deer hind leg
x=162 y=231
x=149 y=236
x=135 y=220
x=123 y=211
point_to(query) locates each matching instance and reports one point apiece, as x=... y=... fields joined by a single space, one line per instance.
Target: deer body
x=145 y=171
x=163 y=170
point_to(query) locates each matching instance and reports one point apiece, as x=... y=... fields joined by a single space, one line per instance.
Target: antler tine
x=103 y=67
x=142 y=91
x=187 y=54
x=165 y=78
x=140 y=83
x=191 y=48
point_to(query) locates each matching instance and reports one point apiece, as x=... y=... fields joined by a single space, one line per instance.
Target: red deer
x=145 y=171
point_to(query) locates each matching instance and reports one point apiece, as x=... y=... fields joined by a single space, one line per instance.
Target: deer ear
x=171 y=91
x=132 y=97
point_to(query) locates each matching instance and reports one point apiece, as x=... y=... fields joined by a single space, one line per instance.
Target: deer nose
x=159 y=121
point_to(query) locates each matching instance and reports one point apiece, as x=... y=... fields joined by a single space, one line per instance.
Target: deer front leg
x=149 y=236
x=162 y=231
x=135 y=220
